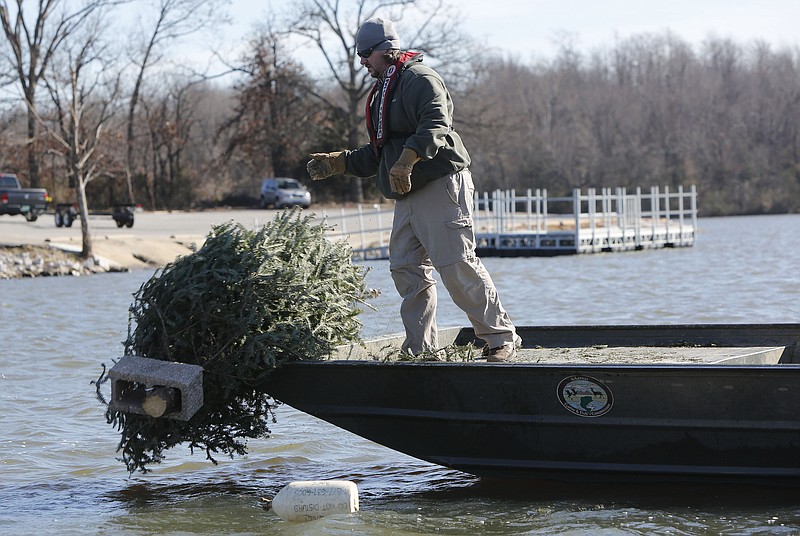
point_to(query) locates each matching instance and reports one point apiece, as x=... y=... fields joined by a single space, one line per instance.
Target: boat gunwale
x=570 y=365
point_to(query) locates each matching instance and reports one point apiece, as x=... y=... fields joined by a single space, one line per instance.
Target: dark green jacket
x=420 y=117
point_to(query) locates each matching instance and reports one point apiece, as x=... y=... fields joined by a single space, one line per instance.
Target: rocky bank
x=37 y=261
x=111 y=255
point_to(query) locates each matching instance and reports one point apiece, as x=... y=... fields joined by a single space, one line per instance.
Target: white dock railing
x=533 y=224
x=609 y=220
x=367 y=230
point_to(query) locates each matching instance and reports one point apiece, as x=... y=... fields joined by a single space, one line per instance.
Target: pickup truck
x=14 y=200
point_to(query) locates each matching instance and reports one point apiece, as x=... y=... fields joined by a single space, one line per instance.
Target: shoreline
x=39 y=249
x=55 y=259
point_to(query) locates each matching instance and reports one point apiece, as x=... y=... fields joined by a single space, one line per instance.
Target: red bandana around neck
x=377 y=135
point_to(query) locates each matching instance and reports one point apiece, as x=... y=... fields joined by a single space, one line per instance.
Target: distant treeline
x=651 y=110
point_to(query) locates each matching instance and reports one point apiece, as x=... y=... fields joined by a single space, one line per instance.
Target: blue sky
x=525 y=27
x=530 y=29
x=531 y=25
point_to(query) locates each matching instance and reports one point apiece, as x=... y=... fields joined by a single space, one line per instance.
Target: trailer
x=67 y=213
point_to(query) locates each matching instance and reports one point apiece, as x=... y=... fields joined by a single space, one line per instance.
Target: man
x=420 y=161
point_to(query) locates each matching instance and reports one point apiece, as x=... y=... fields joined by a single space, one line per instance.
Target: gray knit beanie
x=377 y=34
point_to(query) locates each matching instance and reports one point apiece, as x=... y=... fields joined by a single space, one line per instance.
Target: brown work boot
x=500 y=354
x=506 y=352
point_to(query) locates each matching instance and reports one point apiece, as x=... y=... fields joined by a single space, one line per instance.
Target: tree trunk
x=87 y=252
x=356 y=190
x=356 y=183
x=33 y=157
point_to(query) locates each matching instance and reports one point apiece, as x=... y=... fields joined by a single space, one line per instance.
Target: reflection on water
x=58 y=471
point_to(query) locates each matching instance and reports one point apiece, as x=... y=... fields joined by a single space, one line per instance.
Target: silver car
x=280 y=192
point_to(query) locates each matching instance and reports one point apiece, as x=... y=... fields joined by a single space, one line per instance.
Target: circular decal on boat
x=584 y=396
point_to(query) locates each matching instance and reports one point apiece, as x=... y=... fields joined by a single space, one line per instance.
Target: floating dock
x=511 y=225
x=367 y=230
x=508 y=224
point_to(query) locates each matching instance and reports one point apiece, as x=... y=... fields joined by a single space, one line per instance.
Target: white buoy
x=312 y=499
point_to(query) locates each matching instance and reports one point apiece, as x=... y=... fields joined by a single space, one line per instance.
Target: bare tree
x=274 y=117
x=32 y=39
x=84 y=90
x=170 y=119
x=174 y=19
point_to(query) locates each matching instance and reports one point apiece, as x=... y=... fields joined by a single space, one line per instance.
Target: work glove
x=400 y=174
x=323 y=165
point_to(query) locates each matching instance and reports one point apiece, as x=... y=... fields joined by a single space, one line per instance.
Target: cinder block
x=132 y=376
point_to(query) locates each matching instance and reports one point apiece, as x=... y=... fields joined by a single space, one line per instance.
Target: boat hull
x=570 y=421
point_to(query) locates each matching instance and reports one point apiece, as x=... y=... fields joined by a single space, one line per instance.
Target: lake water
x=59 y=473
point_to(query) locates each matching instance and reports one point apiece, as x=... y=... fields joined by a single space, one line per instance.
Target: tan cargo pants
x=433 y=229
